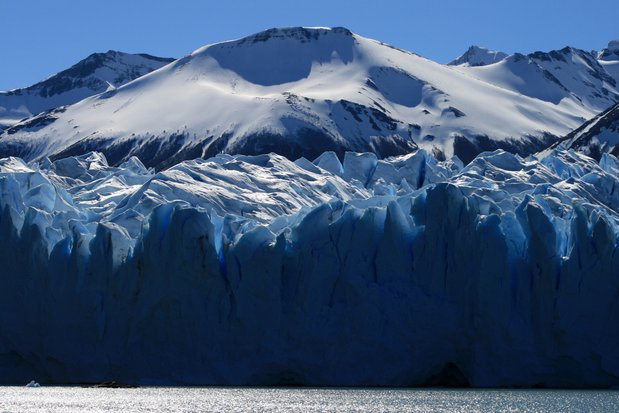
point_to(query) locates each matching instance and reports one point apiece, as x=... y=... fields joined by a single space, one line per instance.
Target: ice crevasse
x=258 y=270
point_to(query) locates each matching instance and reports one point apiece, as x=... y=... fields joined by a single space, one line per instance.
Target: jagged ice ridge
x=260 y=270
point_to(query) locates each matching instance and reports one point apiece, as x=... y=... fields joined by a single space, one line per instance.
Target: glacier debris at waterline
x=259 y=270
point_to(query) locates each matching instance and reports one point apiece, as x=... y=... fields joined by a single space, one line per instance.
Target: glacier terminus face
x=240 y=269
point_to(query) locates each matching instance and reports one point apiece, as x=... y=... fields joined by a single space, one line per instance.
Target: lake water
x=213 y=399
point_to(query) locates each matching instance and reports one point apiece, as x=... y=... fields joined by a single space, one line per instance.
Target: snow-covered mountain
x=259 y=270
x=302 y=91
x=95 y=74
x=568 y=78
x=609 y=58
x=610 y=53
x=598 y=136
x=478 y=56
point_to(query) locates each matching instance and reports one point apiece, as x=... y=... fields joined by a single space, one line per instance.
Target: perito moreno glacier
x=259 y=270
x=308 y=206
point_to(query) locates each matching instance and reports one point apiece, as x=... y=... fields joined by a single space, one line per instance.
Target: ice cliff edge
x=259 y=270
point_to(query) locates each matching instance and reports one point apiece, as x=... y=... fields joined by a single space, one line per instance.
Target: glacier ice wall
x=259 y=270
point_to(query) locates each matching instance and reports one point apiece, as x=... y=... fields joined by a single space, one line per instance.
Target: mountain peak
x=94 y=74
x=303 y=34
x=280 y=55
x=478 y=56
x=296 y=34
x=98 y=70
x=611 y=52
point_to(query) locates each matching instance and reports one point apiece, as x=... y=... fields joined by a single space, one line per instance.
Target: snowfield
x=260 y=270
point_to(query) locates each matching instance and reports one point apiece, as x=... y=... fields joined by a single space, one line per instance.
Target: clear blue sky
x=40 y=37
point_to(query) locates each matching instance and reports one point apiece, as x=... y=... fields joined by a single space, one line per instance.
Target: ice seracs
x=260 y=270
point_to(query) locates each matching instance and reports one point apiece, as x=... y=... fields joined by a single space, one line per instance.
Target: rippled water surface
x=155 y=399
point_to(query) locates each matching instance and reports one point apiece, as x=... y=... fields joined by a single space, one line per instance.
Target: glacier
x=259 y=270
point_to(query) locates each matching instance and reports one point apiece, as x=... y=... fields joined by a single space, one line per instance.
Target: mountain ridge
x=595 y=137
x=302 y=91
x=92 y=75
